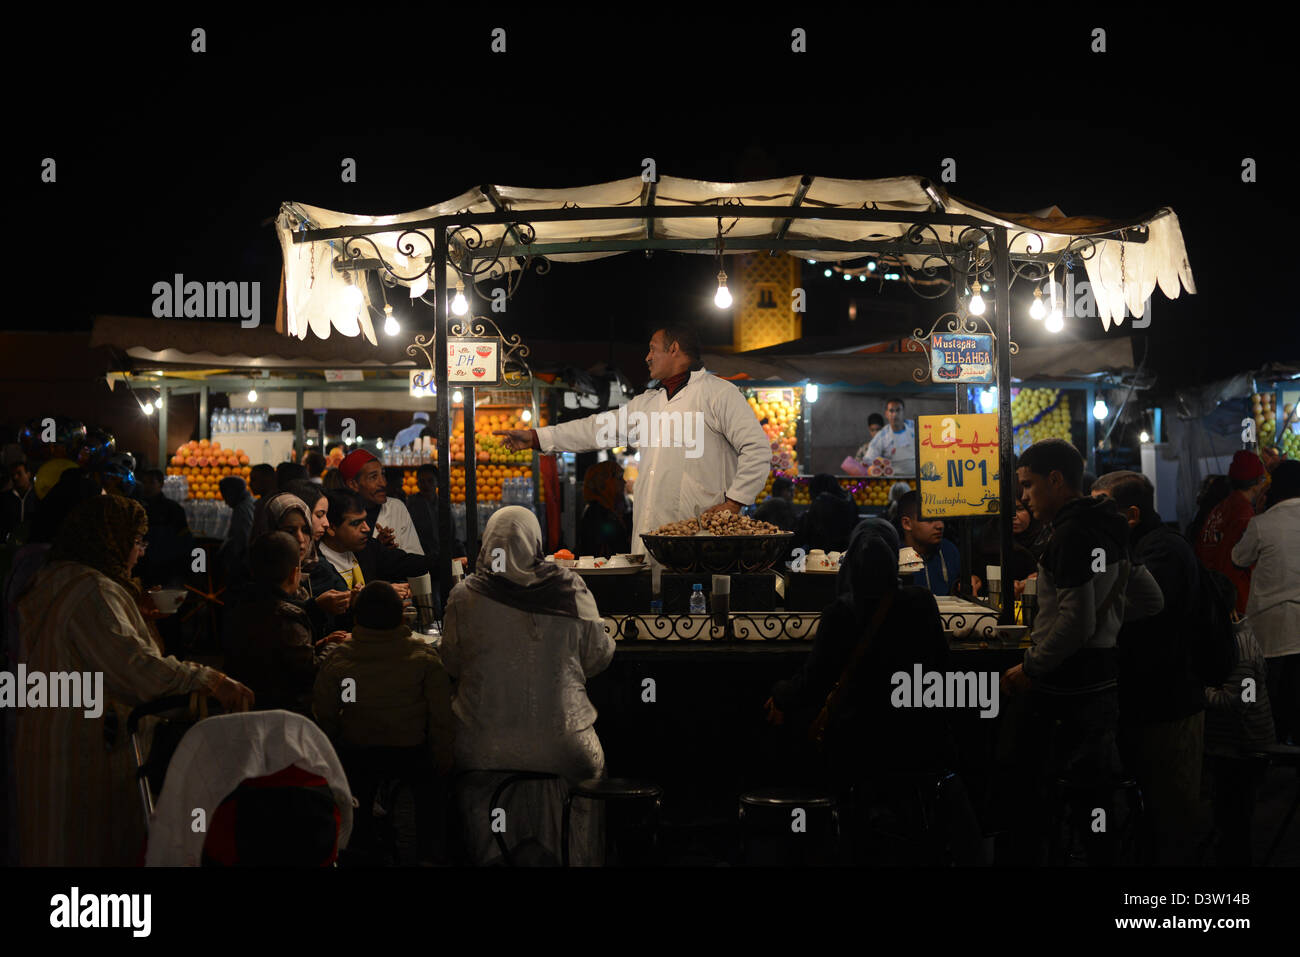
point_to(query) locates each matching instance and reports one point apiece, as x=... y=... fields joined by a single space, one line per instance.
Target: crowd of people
x=1154 y=654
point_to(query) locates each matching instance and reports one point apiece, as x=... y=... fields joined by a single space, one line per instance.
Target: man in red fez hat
x=1227 y=523
x=364 y=474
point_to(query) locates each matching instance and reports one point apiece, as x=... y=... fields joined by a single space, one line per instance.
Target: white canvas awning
x=1121 y=273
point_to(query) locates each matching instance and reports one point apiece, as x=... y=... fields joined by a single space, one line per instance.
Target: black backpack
x=1214 y=641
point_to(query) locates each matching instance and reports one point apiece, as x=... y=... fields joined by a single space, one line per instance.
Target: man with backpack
x=1165 y=663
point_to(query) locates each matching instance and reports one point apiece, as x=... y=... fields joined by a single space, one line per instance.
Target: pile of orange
x=205 y=463
x=489 y=479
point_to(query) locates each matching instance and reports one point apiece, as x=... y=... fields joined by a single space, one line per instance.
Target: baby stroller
x=263 y=788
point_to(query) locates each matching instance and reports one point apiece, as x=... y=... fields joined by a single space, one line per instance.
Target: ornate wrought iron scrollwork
x=955 y=323
x=514 y=354
x=768 y=626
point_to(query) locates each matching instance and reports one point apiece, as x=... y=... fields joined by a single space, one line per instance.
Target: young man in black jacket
x=350 y=560
x=1161 y=698
x=1086 y=585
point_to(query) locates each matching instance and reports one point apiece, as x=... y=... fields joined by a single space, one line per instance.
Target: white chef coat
x=734 y=460
x=394 y=514
x=898 y=447
x=1269 y=543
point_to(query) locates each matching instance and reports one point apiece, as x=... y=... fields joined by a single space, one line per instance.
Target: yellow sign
x=957 y=461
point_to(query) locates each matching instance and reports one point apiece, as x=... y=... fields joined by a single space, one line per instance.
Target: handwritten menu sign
x=961 y=357
x=957 y=461
x=474 y=361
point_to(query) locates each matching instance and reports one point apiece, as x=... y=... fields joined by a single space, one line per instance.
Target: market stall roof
x=1112 y=356
x=1121 y=272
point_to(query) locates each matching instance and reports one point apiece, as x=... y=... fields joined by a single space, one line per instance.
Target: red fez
x=1245 y=466
x=353 y=462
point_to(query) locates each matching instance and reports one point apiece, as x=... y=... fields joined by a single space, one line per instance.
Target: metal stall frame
x=981 y=251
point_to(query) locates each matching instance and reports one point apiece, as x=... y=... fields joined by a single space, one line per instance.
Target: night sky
x=174 y=162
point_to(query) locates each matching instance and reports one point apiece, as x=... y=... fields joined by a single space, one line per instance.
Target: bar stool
x=512 y=778
x=1284 y=755
x=1070 y=794
x=779 y=804
x=621 y=792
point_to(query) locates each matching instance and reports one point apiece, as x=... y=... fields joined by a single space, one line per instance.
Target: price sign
x=958 y=357
x=957 y=461
x=474 y=361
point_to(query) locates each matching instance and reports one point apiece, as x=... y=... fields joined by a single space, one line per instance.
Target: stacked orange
x=205 y=463
x=782 y=426
x=490 y=478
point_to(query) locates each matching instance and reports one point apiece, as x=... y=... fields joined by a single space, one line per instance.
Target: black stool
x=1069 y=794
x=782 y=802
x=1284 y=755
x=512 y=778
x=621 y=791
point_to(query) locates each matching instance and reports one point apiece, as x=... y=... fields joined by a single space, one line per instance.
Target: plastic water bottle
x=697 y=600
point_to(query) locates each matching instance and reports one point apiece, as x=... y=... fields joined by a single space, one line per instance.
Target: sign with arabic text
x=474 y=361
x=961 y=357
x=957 y=461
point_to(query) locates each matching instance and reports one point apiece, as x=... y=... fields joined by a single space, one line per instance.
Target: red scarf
x=674 y=383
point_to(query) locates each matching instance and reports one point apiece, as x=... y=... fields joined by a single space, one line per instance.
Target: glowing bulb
x=1099 y=410
x=722 y=298
x=158 y=404
x=148 y=408
x=810 y=393
x=379 y=444
x=871 y=266
x=252 y=395
x=352 y=297
x=976 y=304
x=526 y=415
x=459 y=304
x=1038 y=310
x=1055 y=320
x=847 y=277
x=391 y=327
x=827 y=273
x=1145 y=437
x=458 y=396
x=862 y=277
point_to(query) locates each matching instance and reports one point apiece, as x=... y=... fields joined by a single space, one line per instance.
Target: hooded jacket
x=1085 y=559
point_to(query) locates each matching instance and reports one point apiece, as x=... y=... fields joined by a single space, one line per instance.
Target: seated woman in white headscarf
x=521 y=636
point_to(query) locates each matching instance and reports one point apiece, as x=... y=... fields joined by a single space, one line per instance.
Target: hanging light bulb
x=526 y=415
x=976 y=304
x=871 y=266
x=459 y=304
x=1145 y=437
x=1055 y=319
x=810 y=393
x=1038 y=310
x=828 y=273
x=379 y=444
x=352 y=297
x=1099 y=409
x=458 y=396
x=158 y=404
x=252 y=395
x=391 y=326
x=722 y=298
x=148 y=408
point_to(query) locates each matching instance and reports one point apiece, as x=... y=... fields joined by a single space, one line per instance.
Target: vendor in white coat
x=701 y=448
x=364 y=474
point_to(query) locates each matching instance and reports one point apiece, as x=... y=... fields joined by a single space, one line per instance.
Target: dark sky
x=175 y=162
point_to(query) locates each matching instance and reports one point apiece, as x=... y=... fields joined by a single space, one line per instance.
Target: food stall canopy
x=1121 y=273
x=1057 y=361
